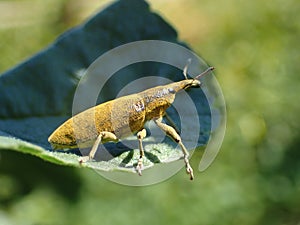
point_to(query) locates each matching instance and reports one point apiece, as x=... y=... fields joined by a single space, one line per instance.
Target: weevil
x=123 y=117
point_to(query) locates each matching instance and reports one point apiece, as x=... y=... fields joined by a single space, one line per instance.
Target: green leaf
x=36 y=96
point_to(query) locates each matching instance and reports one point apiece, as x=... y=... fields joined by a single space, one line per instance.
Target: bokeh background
x=256 y=177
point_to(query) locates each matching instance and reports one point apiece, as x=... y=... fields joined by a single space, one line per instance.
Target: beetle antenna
x=186 y=68
x=205 y=72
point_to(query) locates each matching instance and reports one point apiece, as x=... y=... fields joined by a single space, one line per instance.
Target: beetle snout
x=195 y=84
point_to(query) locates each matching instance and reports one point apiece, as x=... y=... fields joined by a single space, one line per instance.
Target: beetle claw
x=139 y=166
x=83 y=159
x=189 y=170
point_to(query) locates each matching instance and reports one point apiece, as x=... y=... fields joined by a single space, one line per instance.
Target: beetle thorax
x=157 y=100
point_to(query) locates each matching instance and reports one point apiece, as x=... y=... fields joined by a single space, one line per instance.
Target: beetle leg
x=141 y=135
x=104 y=135
x=171 y=122
x=173 y=134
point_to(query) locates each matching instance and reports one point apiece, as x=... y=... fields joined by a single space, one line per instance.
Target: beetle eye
x=171 y=90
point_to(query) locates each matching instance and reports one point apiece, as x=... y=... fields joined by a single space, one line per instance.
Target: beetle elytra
x=122 y=117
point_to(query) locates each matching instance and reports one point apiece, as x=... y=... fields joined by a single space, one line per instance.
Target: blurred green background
x=256 y=177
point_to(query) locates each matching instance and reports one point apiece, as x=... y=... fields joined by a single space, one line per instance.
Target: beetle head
x=195 y=82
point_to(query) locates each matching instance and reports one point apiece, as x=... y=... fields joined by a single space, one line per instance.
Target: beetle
x=122 y=117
